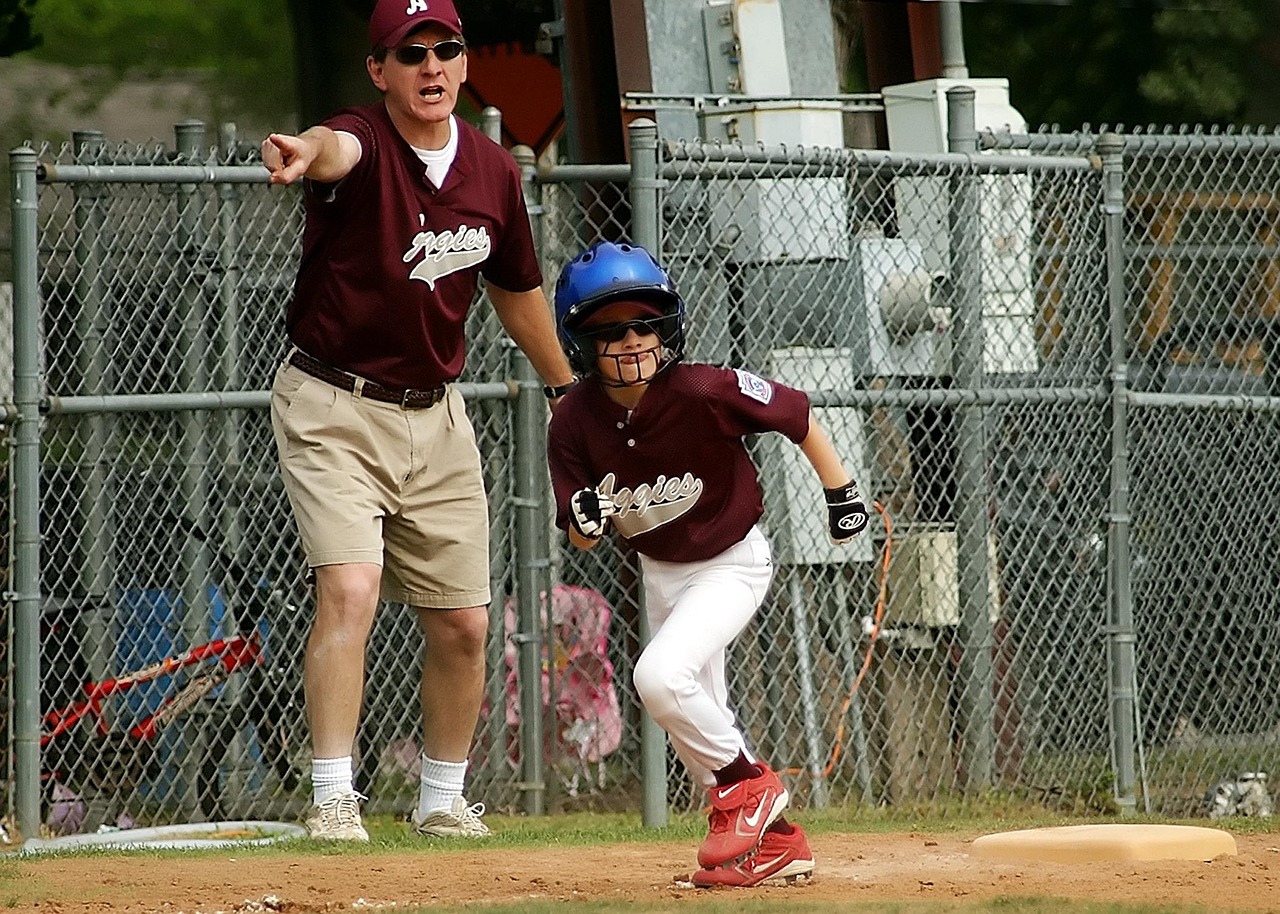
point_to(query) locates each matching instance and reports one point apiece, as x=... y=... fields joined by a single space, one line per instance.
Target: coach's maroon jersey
x=676 y=467
x=390 y=263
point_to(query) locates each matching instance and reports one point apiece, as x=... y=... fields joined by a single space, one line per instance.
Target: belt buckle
x=430 y=397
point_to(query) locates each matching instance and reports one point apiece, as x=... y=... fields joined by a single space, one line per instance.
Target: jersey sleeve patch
x=754 y=386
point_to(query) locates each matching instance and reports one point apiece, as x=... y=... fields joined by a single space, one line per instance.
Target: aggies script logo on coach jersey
x=446 y=252
x=647 y=507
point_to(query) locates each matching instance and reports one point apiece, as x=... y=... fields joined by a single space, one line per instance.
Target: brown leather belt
x=405 y=399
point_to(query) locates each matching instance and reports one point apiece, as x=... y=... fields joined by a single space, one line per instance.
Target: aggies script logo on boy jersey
x=647 y=507
x=446 y=252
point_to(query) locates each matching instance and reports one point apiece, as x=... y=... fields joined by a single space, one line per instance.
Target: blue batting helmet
x=608 y=272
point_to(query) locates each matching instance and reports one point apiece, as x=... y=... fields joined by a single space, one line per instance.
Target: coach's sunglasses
x=412 y=55
x=616 y=333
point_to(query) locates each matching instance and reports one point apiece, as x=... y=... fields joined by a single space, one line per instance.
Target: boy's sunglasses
x=412 y=55
x=616 y=333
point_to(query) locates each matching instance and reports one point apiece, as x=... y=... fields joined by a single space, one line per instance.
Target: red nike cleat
x=740 y=813
x=779 y=856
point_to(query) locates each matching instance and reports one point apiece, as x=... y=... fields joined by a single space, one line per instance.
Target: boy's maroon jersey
x=676 y=467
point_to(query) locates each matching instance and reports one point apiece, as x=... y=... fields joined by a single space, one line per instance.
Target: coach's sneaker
x=337 y=818
x=783 y=854
x=460 y=821
x=740 y=813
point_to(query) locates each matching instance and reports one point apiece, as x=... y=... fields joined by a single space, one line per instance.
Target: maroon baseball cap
x=623 y=309
x=393 y=20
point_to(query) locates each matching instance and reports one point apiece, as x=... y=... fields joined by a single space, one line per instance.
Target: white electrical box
x=757 y=26
x=779 y=220
x=794 y=486
x=916 y=114
x=804 y=122
x=769 y=220
x=924 y=586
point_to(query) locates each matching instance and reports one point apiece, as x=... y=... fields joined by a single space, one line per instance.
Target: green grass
x=592 y=829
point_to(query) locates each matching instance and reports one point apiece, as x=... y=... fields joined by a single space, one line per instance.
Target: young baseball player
x=653 y=447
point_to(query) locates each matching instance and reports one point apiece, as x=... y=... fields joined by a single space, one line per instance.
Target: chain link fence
x=1049 y=363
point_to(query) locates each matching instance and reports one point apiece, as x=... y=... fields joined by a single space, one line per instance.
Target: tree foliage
x=1075 y=62
x=16 y=34
x=1100 y=61
x=1200 y=69
x=244 y=47
x=501 y=21
x=486 y=21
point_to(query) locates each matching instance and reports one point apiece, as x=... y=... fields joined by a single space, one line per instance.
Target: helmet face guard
x=630 y=367
x=609 y=272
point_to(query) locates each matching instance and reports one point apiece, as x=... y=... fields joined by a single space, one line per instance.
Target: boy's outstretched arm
x=846 y=514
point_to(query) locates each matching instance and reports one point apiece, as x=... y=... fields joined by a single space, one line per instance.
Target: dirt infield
x=851 y=868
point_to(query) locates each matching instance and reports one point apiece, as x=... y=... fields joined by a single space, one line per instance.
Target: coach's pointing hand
x=317 y=153
x=286 y=157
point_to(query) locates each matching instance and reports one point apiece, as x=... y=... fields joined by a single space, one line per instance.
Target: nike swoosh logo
x=754 y=819
x=725 y=791
x=758 y=865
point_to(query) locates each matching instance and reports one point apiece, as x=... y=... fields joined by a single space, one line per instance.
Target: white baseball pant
x=695 y=610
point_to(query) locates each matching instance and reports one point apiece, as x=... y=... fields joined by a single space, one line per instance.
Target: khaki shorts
x=401 y=488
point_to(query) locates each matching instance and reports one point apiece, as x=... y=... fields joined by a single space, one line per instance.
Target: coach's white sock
x=440 y=783
x=330 y=776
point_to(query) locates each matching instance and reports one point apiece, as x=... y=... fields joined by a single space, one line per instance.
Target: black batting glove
x=846 y=514
x=587 y=513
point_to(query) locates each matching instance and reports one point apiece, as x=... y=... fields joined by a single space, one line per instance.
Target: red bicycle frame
x=232 y=654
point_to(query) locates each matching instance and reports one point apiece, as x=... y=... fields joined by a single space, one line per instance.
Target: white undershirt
x=439 y=160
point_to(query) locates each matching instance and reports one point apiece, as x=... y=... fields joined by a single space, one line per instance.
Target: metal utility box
x=797 y=304
x=780 y=219
x=753 y=47
x=916 y=114
x=878 y=303
x=924 y=587
x=794 y=121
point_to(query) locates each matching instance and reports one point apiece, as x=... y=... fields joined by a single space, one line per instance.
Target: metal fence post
x=496 y=732
x=802 y=632
x=532 y=591
x=94 y=328
x=26 y=595
x=491 y=123
x=977 y=703
x=1121 y=662
x=646 y=231
x=189 y=240
x=533 y=554
x=228 y=322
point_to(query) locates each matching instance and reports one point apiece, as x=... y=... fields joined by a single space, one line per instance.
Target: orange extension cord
x=877 y=619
